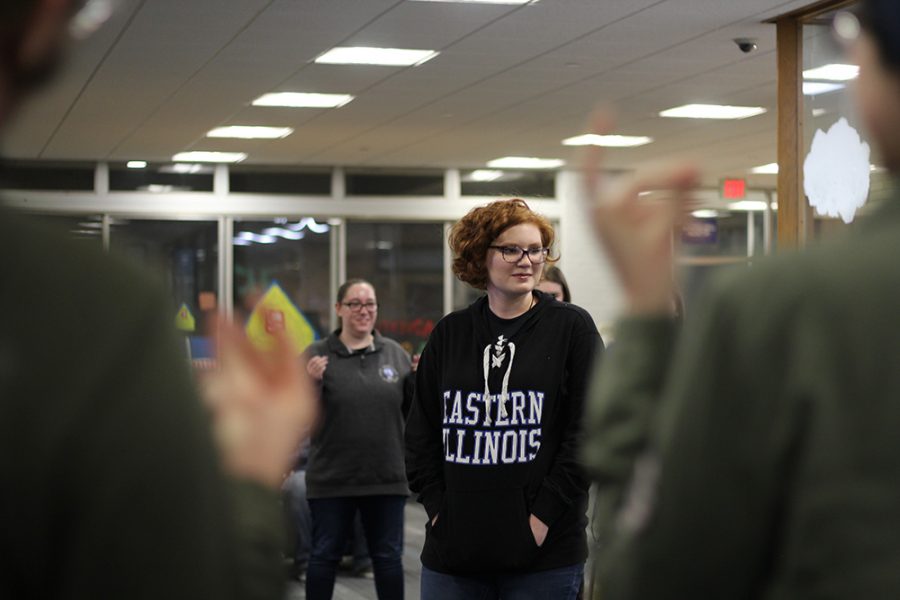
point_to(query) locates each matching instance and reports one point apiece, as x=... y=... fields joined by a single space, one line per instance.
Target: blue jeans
x=297 y=508
x=554 y=584
x=332 y=523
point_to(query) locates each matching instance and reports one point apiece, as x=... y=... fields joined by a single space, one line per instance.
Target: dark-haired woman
x=356 y=454
x=554 y=283
x=492 y=434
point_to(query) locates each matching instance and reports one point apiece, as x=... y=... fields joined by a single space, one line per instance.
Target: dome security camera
x=746 y=45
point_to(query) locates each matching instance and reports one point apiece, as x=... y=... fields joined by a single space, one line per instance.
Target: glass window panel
x=395 y=184
x=88 y=228
x=266 y=181
x=264 y=254
x=464 y=294
x=489 y=182
x=824 y=109
x=404 y=261
x=759 y=233
x=178 y=177
x=39 y=175
x=183 y=255
x=727 y=236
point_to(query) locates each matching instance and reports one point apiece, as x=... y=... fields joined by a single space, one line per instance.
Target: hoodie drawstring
x=504 y=391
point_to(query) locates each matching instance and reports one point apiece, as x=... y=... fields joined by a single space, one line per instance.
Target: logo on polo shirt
x=389 y=373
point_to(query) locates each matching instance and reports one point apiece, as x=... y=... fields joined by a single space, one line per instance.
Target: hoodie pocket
x=487 y=530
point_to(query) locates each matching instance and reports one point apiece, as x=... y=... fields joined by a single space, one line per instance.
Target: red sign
x=734 y=189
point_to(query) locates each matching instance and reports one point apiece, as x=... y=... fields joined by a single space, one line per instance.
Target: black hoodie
x=484 y=467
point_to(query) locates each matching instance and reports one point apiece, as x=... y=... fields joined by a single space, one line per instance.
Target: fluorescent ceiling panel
x=833 y=72
x=482 y=1
x=769 y=169
x=525 y=162
x=250 y=132
x=183 y=168
x=303 y=100
x=485 y=174
x=610 y=141
x=255 y=237
x=747 y=205
x=712 y=111
x=136 y=164
x=814 y=88
x=388 y=57
x=209 y=157
x=705 y=213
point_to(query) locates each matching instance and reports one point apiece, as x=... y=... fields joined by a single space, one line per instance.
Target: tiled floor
x=348 y=587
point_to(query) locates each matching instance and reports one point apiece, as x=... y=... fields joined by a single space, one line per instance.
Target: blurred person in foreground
x=554 y=283
x=772 y=466
x=114 y=486
x=492 y=437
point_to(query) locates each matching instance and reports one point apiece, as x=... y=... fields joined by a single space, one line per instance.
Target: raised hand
x=634 y=218
x=263 y=405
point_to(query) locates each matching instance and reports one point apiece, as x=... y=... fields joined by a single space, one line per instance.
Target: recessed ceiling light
x=483 y=1
x=712 y=111
x=157 y=188
x=610 y=141
x=388 y=57
x=250 y=132
x=747 y=205
x=814 y=88
x=136 y=164
x=485 y=175
x=255 y=237
x=705 y=213
x=187 y=168
x=287 y=234
x=833 y=72
x=525 y=162
x=303 y=100
x=769 y=169
x=213 y=157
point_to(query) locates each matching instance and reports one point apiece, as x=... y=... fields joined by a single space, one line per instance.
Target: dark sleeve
x=621 y=407
x=148 y=512
x=566 y=480
x=409 y=391
x=700 y=515
x=424 y=432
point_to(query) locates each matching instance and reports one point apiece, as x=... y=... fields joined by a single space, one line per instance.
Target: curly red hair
x=471 y=236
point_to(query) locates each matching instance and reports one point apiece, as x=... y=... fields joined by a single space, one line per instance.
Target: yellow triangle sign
x=184 y=320
x=276 y=313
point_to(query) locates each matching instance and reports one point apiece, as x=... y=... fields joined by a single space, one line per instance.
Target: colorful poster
x=276 y=313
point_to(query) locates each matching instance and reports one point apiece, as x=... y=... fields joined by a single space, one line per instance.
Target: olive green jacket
x=760 y=448
x=111 y=483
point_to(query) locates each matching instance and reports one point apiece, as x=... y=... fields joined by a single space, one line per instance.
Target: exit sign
x=734 y=189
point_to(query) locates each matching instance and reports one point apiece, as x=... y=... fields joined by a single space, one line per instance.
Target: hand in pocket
x=538 y=530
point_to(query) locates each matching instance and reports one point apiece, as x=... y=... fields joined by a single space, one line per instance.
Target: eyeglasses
x=513 y=254
x=356 y=305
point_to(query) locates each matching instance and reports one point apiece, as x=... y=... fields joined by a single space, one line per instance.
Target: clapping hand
x=634 y=219
x=263 y=405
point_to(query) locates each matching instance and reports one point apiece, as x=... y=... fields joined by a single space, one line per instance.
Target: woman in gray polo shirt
x=356 y=459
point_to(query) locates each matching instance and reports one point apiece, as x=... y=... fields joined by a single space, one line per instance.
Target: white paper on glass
x=836 y=171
